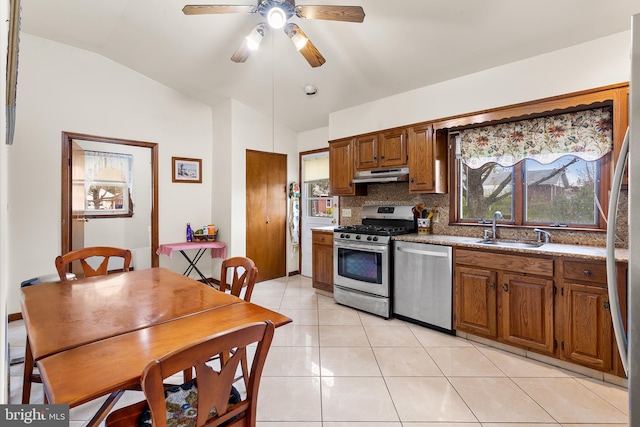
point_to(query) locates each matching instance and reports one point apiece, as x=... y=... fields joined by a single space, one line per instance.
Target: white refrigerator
x=629 y=341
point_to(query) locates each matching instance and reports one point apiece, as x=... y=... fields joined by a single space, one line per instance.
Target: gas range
x=362 y=258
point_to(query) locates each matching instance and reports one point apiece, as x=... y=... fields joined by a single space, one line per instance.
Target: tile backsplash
x=397 y=193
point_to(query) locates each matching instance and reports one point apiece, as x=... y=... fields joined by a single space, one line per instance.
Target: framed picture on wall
x=186 y=170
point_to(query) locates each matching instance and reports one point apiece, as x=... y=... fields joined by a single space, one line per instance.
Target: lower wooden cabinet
x=322 y=260
x=476 y=301
x=588 y=330
x=552 y=305
x=511 y=301
x=527 y=311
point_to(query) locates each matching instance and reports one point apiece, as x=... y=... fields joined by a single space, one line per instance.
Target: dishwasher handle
x=425 y=253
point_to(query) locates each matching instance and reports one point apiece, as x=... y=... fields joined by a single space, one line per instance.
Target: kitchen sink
x=512 y=243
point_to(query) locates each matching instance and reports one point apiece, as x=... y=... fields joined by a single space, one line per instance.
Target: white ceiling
x=400 y=46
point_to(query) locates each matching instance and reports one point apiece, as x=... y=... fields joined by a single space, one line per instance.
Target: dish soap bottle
x=189 y=233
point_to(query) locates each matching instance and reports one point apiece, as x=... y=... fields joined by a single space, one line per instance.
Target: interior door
x=318 y=209
x=266 y=181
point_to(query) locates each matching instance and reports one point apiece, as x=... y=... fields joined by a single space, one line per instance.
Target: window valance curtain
x=120 y=165
x=586 y=134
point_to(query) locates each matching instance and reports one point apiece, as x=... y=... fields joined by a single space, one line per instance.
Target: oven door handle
x=367 y=248
x=425 y=253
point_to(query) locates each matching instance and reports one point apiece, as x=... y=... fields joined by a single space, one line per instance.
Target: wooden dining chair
x=106 y=252
x=243 y=272
x=210 y=399
x=61 y=263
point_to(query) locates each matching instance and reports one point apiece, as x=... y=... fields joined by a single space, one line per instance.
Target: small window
x=108 y=184
x=319 y=203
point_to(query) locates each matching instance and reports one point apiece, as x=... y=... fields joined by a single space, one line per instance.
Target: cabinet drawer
x=322 y=237
x=585 y=271
x=506 y=262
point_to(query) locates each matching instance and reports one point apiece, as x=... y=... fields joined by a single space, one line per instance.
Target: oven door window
x=360 y=265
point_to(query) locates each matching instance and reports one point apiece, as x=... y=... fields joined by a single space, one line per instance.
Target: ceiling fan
x=277 y=13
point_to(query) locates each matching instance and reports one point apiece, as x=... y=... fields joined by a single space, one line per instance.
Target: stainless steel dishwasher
x=423 y=287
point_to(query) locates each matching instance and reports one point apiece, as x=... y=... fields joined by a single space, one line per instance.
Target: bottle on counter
x=189 y=233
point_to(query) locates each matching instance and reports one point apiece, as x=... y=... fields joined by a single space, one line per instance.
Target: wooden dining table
x=92 y=337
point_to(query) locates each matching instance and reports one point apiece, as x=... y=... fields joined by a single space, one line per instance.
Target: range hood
x=382 y=175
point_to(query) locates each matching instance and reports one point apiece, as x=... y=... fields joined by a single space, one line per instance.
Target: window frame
x=518 y=217
x=614 y=95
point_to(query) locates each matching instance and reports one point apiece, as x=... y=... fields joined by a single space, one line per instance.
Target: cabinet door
x=527 y=311
x=341 y=168
x=588 y=337
x=475 y=301
x=322 y=255
x=366 y=152
x=421 y=179
x=393 y=148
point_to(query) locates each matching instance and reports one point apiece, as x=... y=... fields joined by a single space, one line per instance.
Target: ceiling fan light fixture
x=255 y=37
x=299 y=40
x=276 y=17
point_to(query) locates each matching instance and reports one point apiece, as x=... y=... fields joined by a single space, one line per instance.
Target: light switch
x=346 y=213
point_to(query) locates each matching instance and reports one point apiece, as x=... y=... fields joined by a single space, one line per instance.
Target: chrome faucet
x=496 y=216
x=540 y=233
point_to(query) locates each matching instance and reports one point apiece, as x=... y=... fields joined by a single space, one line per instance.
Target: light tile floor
x=338 y=367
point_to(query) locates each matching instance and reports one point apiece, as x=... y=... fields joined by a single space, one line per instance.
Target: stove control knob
x=375 y=239
x=342 y=236
x=358 y=237
x=347 y=236
x=369 y=238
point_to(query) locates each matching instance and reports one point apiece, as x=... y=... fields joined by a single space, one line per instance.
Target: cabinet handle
x=382 y=157
x=411 y=180
x=607 y=305
x=586 y=273
x=492 y=285
x=505 y=287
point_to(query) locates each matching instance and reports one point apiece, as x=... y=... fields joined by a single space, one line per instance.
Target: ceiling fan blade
x=304 y=45
x=249 y=44
x=217 y=9
x=331 y=13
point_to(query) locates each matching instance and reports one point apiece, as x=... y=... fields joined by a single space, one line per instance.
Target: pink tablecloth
x=218 y=249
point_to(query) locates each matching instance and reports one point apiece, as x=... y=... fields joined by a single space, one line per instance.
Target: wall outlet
x=346 y=213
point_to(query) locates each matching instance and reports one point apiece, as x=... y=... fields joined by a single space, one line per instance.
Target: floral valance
x=586 y=134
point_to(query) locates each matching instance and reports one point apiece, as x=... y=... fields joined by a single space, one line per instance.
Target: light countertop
x=324 y=228
x=577 y=251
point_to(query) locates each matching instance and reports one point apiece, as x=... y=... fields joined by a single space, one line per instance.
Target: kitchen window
x=545 y=171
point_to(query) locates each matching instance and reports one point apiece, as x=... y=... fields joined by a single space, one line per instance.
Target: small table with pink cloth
x=218 y=250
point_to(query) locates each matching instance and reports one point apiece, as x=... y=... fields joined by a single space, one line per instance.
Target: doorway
x=266 y=189
x=77 y=216
x=318 y=209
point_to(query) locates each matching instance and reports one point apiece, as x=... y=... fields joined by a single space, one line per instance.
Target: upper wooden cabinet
x=381 y=150
x=428 y=167
x=341 y=169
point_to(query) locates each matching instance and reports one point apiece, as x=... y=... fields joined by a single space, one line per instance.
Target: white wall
x=597 y=63
x=61 y=88
x=313 y=139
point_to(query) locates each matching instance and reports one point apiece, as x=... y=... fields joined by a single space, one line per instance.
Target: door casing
x=66 y=205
